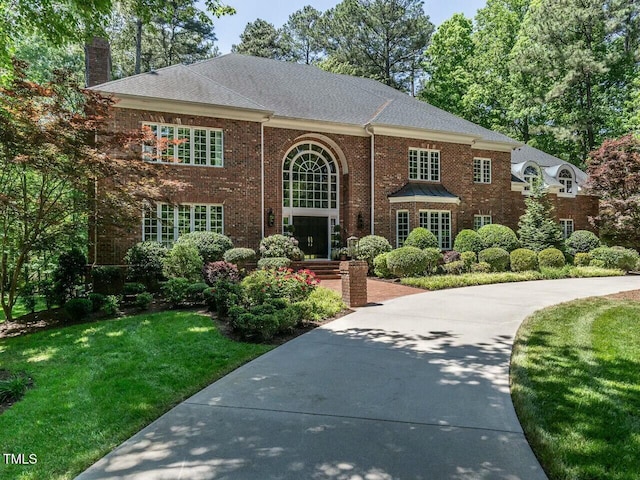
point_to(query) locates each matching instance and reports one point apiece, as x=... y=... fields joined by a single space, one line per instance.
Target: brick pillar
x=354 y=282
x=97 y=62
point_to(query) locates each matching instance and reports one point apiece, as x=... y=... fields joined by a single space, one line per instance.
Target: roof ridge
x=118 y=80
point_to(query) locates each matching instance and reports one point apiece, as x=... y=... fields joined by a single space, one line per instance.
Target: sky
x=229 y=28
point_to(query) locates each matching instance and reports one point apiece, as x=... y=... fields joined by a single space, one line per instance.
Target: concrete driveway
x=417 y=388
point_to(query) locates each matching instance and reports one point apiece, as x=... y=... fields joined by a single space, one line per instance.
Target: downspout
x=262 y=169
x=367 y=128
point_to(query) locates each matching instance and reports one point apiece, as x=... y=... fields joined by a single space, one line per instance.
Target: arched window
x=565 y=177
x=531 y=175
x=309 y=178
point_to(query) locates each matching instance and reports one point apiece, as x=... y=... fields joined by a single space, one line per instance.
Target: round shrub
x=597 y=263
x=468 y=241
x=581 y=241
x=110 y=306
x=144 y=262
x=371 y=246
x=175 y=290
x=455 y=268
x=481 y=267
x=211 y=246
x=275 y=246
x=616 y=257
x=501 y=236
x=97 y=301
x=143 y=301
x=216 y=271
x=421 y=238
x=195 y=292
x=496 y=257
x=469 y=258
x=434 y=258
x=271 y=263
x=78 y=308
x=239 y=256
x=380 y=268
x=551 y=258
x=183 y=261
x=133 y=288
x=523 y=259
x=407 y=262
x=582 y=259
x=450 y=256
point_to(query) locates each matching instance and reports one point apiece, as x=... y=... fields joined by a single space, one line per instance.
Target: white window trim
x=574 y=186
x=482 y=217
x=439 y=234
x=527 y=184
x=563 y=225
x=192 y=129
x=482 y=161
x=398 y=212
x=176 y=234
x=430 y=178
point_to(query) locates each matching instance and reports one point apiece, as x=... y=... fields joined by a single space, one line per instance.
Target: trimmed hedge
x=615 y=257
x=551 y=258
x=380 y=268
x=421 y=238
x=500 y=236
x=407 y=262
x=581 y=241
x=497 y=258
x=582 y=259
x=371 y=246
x=239 y=256
x=211 y=246
x=434 y=258
x=523 y=259
x=469 y=258
x=468 y=241
x=273 y=263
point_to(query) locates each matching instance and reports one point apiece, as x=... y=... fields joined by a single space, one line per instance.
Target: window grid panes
x=198 y=146
x=531 y=174
x=166 y=223
x=439 y=223
x=310 y=178
x=482 y=170
x=402 y=227
x=567 y=227
x=480 y=221
x=424 y=165
x=566 y=179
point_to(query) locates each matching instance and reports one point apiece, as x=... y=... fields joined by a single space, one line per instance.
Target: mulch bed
x=630 y=295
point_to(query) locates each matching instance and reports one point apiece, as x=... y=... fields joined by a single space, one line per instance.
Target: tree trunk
x=138 y=45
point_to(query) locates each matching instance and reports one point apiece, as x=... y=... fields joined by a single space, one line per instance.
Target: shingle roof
x=295 y=91
x=416 y=189
x=549 y=163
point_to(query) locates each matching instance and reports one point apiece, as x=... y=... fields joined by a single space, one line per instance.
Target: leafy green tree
x=302 y=36
x=538 y=228
x=260 y=39
x=382 y=39
x=448 y=65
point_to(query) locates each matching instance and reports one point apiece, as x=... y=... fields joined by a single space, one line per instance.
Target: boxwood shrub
x=581 y=241
x=456 y=267
x=468 y=241
x=469 y=258
x=496 y=257
x=434 y=258
x=582 y=259
x=380 y=268
x=551 y=258
x=407 y=262
x=144 y=262
x=278 y=246
x=615 y=257
x=239 y=256
x=501 y=236
x=183 y=261
x=211 y=246
x=523 y=259
x=370 y=247
x=421 y=238
x=78 y=308
x=269 y=263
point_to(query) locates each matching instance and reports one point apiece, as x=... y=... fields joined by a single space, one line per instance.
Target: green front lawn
x=97 y=384
x=575 y=375
x=19 y=310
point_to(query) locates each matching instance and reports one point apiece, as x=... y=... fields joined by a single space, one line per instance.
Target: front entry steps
x=324 y=269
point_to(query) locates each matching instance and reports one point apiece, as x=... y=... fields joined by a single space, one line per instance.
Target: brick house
x=273 y=144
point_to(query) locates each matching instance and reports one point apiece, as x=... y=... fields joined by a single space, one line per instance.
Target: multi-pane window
x=480 y=221
x=567 y=227
x=186 y=145
x=482 y=170
x=424 y=164
x=309 y=178
x=402 y=227
x=165 y=223
x=566 y=179
x=531 y=175
x=439 y=223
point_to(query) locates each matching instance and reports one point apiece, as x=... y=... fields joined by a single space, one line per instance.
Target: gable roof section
x=298 y=92
x=550 y=164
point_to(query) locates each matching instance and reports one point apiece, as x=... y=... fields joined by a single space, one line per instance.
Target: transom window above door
x=309 y=178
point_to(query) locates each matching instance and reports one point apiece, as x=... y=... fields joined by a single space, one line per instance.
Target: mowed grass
x=97 y=384
x=575 y=375
x=19 y=310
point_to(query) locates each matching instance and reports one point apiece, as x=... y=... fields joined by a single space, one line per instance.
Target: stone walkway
x=378 y=291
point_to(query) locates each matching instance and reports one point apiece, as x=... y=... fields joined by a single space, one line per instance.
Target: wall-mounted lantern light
x=271 y=218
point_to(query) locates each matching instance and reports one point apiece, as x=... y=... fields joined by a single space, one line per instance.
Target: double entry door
x=312 y=234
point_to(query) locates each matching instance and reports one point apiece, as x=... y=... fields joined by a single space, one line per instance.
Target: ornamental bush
x=239 y=256
x=211 y=246
x=551 y=258
x=500 y=236
x=216 y=271
x=582 y=259
x=183 y=261
x=469 y=258
x=273 y=263
x=371 y=246
x=434 y=258
x=421 y=238
x=380 y=268
x=107 y=279
x=581 y=241
x=143 y=301
x=468 y=241
x=97 y=301
x=175 y=291
x=68 y=275
x=523 y=259
x=450 y=256
x=275 y=246
x=496 y=257
x=144 y=262
x=481 y=267
x=407 y=262
x=615 y=257
x=456 y=267
x=264 y=285
x=78 y=308
x=133 y=288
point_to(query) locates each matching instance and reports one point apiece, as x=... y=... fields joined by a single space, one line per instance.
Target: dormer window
x=565 y=177
x=531 y=175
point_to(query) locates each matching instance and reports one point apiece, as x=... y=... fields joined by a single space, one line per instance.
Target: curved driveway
x=417 y=388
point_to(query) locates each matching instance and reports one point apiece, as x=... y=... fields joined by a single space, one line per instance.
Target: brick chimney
x=97 y=62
